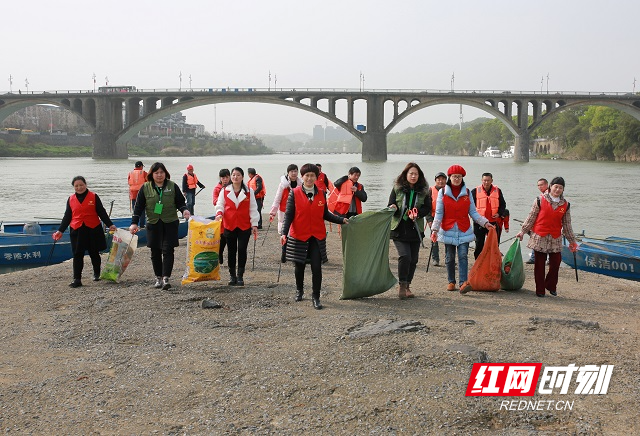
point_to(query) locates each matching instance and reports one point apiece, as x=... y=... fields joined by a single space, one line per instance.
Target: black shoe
x=554 y=293
x=299 y=295
x=165 y=283
x=540 y=295
x=233 y=281
x=240 y=281
x=260 y=227
x=316 y=303
x=96 y=278
x=76 y=283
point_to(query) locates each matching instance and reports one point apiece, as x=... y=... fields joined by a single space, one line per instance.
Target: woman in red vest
x=304 y=233
x=225 y=178
x=288 y=182
x=237 y=204
x=451 y=225
x=83 y=213
x=549 y=220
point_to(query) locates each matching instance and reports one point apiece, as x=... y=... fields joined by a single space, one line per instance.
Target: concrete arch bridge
x=118 y=116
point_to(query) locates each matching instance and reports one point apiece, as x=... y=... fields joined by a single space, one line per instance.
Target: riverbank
x=129 y=359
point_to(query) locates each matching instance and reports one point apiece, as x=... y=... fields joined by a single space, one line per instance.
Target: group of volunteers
x=305 y=198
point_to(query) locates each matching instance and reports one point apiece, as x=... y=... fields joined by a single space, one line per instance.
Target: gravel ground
x=129 y=359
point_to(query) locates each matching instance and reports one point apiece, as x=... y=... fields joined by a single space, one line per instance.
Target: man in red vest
x=348 y=195
x=189 y=184
x=489 y=204
x=440 y=182
x=136 y=179
x=256 y=182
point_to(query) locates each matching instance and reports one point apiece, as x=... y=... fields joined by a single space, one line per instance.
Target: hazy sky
x=583 y=45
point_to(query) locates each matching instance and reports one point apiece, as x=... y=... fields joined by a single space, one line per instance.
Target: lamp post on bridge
x=453 y=80
x=11 y=83
x=180 y=76
x=269 y=80
x=541 y=84
x=106 y=80
x=190 y=88
x=94 y=81
x=547 y=83
x=275 y=82
x=634 y=85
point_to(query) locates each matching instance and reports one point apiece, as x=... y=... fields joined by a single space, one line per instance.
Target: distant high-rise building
x=318 y=133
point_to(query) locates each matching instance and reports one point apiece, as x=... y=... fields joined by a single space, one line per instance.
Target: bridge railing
x=473 y=92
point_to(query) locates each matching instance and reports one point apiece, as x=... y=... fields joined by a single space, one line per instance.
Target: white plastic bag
x=123 y=246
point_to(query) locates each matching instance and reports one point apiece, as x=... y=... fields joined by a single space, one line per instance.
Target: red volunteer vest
x=549 y=221
x=434 y=199
x=321 y=181
x=253 y=185
x=487 y=205
x=192 y=181
x=344 y=198
x=236 y=217
x=456 y=212
x=85 y=212
x=283 y=200
x=309 y=218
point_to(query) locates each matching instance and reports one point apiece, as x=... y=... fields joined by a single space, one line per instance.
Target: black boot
x=234 y=280
x=76 y=283
x=315 y=298
x=240 y=281
x=299 y=294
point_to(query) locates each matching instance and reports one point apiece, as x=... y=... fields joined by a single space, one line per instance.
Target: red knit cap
x=456 y=169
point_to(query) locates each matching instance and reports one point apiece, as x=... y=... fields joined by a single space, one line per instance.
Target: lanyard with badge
x=158 y=207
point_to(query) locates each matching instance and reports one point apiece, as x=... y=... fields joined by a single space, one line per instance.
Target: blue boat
x=19 y=250
x=615 y=244
x=606 y=258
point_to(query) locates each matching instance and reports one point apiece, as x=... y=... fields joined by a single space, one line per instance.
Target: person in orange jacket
x=189 y=183
x=348 y=195
x=256 y=182
x=136 y=178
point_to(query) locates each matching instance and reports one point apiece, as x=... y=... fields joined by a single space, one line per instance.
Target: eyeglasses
x=456 y=176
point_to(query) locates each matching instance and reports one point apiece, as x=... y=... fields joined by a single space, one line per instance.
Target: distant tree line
x=590 y=132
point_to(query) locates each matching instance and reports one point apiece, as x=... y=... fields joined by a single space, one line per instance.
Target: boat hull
x=593 y=259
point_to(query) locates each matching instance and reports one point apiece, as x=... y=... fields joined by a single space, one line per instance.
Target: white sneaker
x=436 y=263
x=165 y=283
x=158 y=283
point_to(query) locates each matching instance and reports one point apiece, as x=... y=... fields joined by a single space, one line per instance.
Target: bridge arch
x=189 y=103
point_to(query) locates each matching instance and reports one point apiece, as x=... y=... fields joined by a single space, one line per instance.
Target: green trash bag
x=365 y=255
x=512 y=277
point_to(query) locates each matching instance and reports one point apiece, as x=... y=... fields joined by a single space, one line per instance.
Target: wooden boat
x=610 y=257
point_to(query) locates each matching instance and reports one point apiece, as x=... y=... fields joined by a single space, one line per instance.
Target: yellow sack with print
x=203 y=245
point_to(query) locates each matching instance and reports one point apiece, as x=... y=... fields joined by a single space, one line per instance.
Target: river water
x=604 y=196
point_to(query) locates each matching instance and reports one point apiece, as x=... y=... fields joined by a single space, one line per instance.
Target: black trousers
x=237 y=242
x=260 y=203
x=162 y=238
x=481 y=234
x=408 y=252
x=315 y=258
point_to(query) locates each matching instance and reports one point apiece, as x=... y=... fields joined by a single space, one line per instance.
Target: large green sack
x=365 y=255
x=512 y=277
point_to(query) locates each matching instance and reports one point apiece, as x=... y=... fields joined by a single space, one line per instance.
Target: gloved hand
x=434 y=237
x=56 y=236
x=573 y=247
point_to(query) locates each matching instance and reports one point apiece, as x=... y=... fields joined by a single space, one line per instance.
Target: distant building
x=318 y=133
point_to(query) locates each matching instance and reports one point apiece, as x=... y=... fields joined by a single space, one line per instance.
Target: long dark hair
x=155 y=167
x=420 y=185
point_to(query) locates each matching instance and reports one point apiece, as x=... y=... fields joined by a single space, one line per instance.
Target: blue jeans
x=435 y=254
x=463 y=262
x=191 y=201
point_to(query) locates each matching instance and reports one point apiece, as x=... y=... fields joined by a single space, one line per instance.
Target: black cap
x=139 y=164
x=440 y=174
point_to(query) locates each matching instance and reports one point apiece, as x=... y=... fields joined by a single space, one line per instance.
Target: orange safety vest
x=342 y=198
x=434 y=199
x=456 y=212
x=136 y=179
x=233 y=217
x=85 y=212
x=283 y=200
x=549 y=221
x=253 y=185
x=309 y=218
x=487 y=205
x=192 y=181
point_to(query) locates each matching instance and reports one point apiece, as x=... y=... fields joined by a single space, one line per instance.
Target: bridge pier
x=521 y=151
x=374 y=141
x=105 y=147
